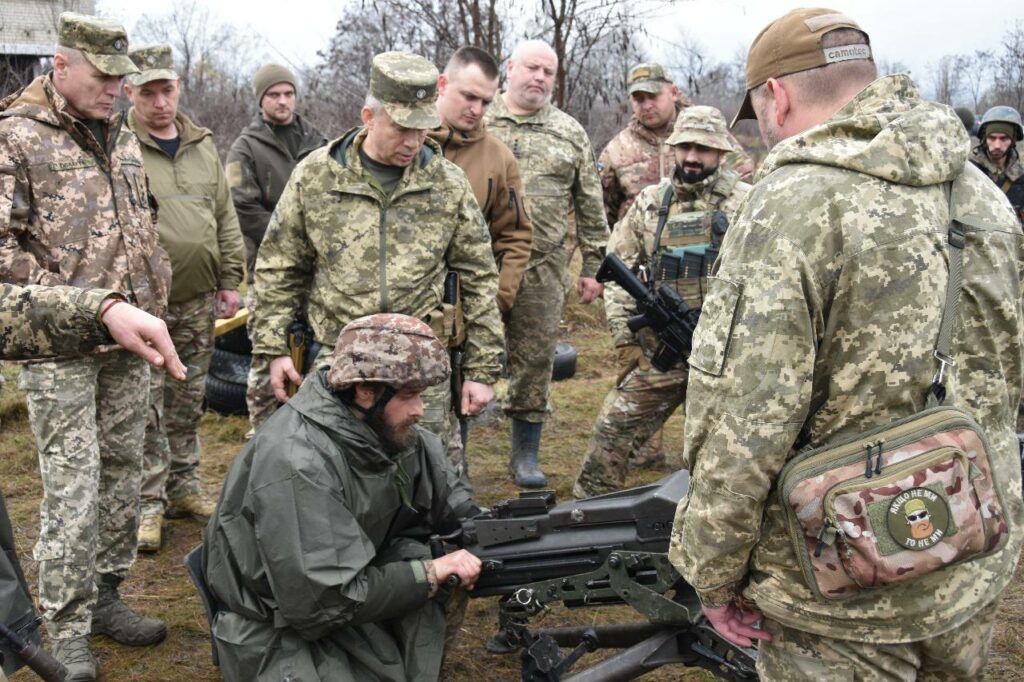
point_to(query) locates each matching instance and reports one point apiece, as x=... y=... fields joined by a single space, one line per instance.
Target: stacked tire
x=229 y=373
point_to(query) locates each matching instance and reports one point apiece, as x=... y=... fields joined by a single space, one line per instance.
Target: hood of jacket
x=887 y=131
x=447 y=136
x=189 y=132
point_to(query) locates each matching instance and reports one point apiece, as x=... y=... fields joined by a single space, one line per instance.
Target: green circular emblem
x=918 y=518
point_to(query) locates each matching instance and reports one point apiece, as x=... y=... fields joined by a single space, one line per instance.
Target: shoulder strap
x=666 y=202
x=950 y=310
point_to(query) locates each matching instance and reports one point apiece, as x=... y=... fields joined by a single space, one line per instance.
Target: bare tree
x=975 y=70
x=945 y=79
x=1009 y=69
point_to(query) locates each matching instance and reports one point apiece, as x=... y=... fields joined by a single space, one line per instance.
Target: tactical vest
x=686 y=244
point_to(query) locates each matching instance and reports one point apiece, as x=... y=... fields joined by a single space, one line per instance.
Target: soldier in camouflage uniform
x=997 y=155
x=638 y=156
x=559 y=174
x=373 y=222
x=700 y=198
x=199 y=230
x=820 y=323
x=75 y=209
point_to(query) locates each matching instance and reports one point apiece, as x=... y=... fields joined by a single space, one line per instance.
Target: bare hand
x=461 y=563
x=228 y=303
x=139 y=332
x=588 y=289
x=282 y=371
x=736 y=624
x=475 y=397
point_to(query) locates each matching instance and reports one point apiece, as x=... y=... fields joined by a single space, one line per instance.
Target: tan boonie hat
x=647 y=78
x=701 y=125
x=104 y=43
x=155 y=62
x=406 y=84
x=390 y=349
x=792 y=43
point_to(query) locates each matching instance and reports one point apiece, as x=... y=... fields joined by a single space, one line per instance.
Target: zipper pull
x=868 y=472
x=878 y=456
x=827 y=536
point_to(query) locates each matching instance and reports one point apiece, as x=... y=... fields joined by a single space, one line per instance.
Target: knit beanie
x=270 y=75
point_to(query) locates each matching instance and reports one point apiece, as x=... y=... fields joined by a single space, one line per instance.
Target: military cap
x=701 y=125
x=792 y=43
x=406 y=84
x=155 y=62
x=104 y=43
x=389 y=349
x=649 y=77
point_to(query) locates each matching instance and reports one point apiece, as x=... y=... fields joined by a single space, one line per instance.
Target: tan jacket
x=494 y=176
x=74 y=210
x=198 y=226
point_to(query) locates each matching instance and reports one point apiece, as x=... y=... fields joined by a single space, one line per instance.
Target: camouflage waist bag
x=891 y=505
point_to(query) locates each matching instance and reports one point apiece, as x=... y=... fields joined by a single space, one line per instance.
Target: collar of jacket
x=316 y=402
x=446 y=136
x=40 y=101
x=1014 y=167
x=189 y=132
x=539 y=117
x=345 y=150
x=260 y=130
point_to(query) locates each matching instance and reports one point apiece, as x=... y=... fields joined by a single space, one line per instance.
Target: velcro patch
x=71 y=164
x=843 y=53
x=815 y=24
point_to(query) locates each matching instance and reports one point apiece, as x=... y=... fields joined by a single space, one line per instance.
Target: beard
x=692 y=173
x=394 y=438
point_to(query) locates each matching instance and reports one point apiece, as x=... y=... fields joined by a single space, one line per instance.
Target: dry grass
x=159 y=586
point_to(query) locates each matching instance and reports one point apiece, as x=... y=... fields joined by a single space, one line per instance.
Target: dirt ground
x=159 y=586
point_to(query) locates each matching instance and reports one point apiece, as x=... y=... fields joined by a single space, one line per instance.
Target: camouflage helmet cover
x=103 y=43
x=701 y=125
x=390 y=349
x=155 y=62
x=1008 y=116
x=406 y=84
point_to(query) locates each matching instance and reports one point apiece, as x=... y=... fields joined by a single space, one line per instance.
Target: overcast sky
x=915 y=32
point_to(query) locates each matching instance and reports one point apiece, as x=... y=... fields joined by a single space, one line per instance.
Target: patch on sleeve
x=233 y=173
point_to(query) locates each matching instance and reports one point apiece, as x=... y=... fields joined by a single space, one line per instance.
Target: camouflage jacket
x=257 y=169
x=638 y=157
x=197 y=222
x=337 y=248
x=632 y=238
x=38 y=321
x=820 y=324
x=1010 y=179
x=73 y=211
x=559 y=174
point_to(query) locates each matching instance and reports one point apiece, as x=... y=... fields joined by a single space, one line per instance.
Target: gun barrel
x=35 y=657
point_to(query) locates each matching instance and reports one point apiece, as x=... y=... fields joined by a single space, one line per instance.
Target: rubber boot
x=113 y=617
x=525 y=444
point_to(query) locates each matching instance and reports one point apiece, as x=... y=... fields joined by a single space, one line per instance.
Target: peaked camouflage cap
x=104 y=43
x=155 y=62
x=701 y=125
x=648 y=77
x=406 y=84
x=395 y=350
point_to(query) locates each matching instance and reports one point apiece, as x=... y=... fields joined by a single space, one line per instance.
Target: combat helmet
x=397 y=351
x=1007 y=116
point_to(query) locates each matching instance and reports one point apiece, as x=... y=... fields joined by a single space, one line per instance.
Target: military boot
x=113 y=617
x=525 y=445
x=192 y=504
x=74 y=655
x=150 y=530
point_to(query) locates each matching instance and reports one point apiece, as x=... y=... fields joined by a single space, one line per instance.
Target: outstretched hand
x=142 y=334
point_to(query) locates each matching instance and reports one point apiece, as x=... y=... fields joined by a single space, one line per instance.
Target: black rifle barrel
x=35 y=657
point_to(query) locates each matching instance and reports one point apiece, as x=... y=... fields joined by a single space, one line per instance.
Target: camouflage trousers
x=88 y=416
x=634 y=410
x=171 y=460
x=531 y=334
x=960 y=654
x=259 y=394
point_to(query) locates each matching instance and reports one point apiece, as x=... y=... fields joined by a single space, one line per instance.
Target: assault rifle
x=664 y=311
x=610 y=549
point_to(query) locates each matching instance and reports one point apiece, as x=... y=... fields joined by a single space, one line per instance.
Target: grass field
x=159 y=586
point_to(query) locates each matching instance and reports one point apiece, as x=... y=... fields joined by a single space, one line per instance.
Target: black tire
x=230 y=367
x=235 y=341
x=225 y=397
x=565 y=362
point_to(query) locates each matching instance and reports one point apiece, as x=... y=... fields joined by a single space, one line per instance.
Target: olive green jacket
x=316 y=539
x=196 y=218
x=820 y=323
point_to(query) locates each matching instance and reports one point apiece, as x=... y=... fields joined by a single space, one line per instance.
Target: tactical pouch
x=899 y=502
x=894 y=504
